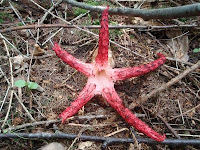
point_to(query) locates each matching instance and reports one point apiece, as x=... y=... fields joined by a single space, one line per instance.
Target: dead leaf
x=51 y=116
x=53 y=146
x=56 y=86
x=17 y=61
x=38 y=50
x=46 y=81
x=179 y=45
x=17 y=121
x=84 y=145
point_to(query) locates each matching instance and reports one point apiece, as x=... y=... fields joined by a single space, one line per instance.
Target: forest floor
x=27 y=55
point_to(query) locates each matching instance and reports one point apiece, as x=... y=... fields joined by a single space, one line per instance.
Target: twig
x=165 y=122
x=60 y=135
x=88 y=125
x=53 y=121
x=115 y=132
x=1 y=2
x=25 y=109
x=187 y=135
x=12 y=84
x=186 y=112
x=15 y=11
x=95 y=35
x=116 y=2
x=179 y=106
x=30 y=63
x=179 y=60
x=166 y=85
x=80 y=16
x=139 y=27
x=134 y=135
x=50 y=9
x=4 y=99
x=13 y=92
x=30 y=124
x=78 y=136
x=54 y=34
x=161 y=13
x=3 y=37
x=168 y=126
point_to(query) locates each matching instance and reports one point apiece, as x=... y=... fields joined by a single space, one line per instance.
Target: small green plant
x=78 y=11
x=196 y=50
x=23 y=83
x=19 y=24
x=5 y=16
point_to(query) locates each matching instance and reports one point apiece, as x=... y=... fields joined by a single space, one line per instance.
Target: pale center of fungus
x=102 y=80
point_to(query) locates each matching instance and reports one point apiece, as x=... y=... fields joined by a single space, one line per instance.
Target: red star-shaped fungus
x=101 y=79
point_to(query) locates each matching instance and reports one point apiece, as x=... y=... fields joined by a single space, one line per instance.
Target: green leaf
x=196 y=50
x=32 y=85
x=20 y=83
x=5 y=131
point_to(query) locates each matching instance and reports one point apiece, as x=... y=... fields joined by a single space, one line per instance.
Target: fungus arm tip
x=85 y=95
x=114 y=100
x=125 y=73
x=84 y=68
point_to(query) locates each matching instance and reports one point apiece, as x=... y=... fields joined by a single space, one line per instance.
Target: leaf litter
x=50 y=71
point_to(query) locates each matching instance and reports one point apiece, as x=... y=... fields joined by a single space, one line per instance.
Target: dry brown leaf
x=179 y=45
x=17 y=61
x=38 y=50
x=51 y=116
x=46 y=81
x=53 y=146
x=17 y=121
x=84 y=145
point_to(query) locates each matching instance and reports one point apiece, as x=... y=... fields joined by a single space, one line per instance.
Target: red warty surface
x=101 y=79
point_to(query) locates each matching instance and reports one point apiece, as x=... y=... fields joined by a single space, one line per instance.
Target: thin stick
x=88 y=125
x=25 y=109
x=30 y=64
x=10 y=102
x=115 y=132
x=186 y=112
x=54 y=34
x=168 y=126
x=3 y=37
x=165 y=122
x=133 y=134
x=17 y=98
x=139 y=27
x=78 y=136
x=53 y=121
x=95 y=35
x=20 y=18
x=50 y=9
x=111 y=140
x=4 y=99
x=158 y=13
x=29 y=125
x=12 y=84
x=181 y=112
x=166 y=85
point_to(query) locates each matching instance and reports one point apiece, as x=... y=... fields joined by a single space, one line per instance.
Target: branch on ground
x=139 y=27
x=161 y=13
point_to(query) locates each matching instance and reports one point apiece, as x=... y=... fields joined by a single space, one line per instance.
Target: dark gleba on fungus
x=101 y=79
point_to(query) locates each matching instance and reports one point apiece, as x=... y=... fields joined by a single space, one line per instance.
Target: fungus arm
x=84 y=68
x=85 y=95
x=102 y=56
x=114 y=100
x=125 y=73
